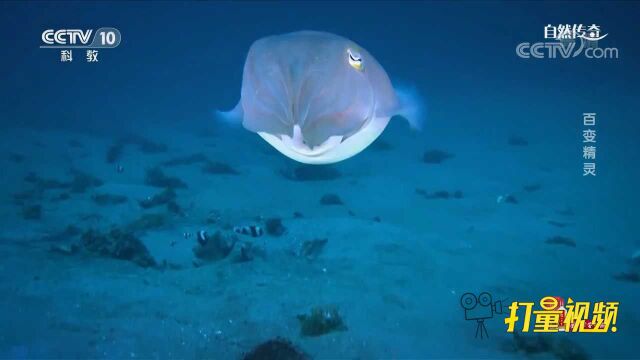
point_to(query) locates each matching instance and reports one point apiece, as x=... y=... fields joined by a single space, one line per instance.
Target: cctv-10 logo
x=105 y=37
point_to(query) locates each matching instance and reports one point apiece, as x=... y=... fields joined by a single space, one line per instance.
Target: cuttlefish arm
x=330 y=151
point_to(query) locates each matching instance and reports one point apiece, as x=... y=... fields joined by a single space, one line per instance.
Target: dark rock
x=61 y=197
x=517 y=141
x=117 y=244
x=187 y=160
x=629 y=276
x=213 y=217
x=64 y=249
x=144 y=145
x=24 y=196
x=311 y=173
x=93 y=217
x=162 y=198
x=82 y=181
x=109 y=199
x=561 y=240
x=227 y=226
x=249 y=251
x=276 y=349
x=530 y=344
x=436 y=156
x=218 y=168
x=72 y=230
x=557 y=223
x=114 y=153
x=322 y=320
x=32 y=212
x=245 y=253
x=156 y=177
x=331 y=199
x=532 y=188
x=215 y=247
x=566 y=349
x=311 y=249
x=275 y=227
x=75 y=143
x=509 y=199
x=538 y=345
x=166 y=265
x=43 y=184
x=52 y=184
x=147 y=222
x=31 y=177
x=68 y=233
x=16 y=158
x=174 y=208
x=440 y=194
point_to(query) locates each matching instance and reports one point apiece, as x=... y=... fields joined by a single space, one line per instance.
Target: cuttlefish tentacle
x=331 y=154
x=297 y=143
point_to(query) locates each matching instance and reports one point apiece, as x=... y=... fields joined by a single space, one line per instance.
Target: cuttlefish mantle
x=316 y=97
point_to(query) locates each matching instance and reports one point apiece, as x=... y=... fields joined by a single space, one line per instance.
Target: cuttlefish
x=316 y=97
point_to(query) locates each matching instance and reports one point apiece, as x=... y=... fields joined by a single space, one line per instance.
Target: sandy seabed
x=401 y=248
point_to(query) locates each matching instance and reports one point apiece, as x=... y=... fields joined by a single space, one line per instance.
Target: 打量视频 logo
x=480 y=308
x=554 y=315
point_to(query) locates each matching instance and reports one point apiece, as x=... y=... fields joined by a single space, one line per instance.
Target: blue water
x=396 y=261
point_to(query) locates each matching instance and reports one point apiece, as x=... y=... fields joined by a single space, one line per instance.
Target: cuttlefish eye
x=355 y=60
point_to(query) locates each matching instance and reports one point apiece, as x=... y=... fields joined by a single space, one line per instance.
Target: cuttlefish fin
x=233 y=116
x=411 y=107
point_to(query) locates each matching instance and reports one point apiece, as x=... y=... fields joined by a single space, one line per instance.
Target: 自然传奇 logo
x=568 y=41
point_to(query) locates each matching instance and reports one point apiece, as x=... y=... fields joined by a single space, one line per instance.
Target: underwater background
x=111 y=170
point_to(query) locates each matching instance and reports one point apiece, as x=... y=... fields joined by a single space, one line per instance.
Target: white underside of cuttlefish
x=316 y=97
x=336 y=148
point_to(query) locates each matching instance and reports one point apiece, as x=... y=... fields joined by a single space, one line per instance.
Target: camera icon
x=480 y=308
